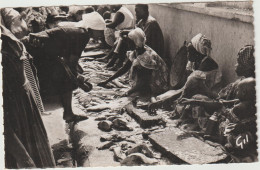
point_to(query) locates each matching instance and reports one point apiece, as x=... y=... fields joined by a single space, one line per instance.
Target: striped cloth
x=32 y=82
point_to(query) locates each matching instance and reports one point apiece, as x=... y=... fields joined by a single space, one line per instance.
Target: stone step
x=142 y=117
x=183 y=148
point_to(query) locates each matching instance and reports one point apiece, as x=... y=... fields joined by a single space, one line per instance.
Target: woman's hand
x=230 y=128
x=188 y=101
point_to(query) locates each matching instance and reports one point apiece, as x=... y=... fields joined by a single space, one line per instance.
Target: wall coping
x=231 y=14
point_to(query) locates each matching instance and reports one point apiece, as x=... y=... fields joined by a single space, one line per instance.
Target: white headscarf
x=202 y=44
x=138 y=36
x=93 y=20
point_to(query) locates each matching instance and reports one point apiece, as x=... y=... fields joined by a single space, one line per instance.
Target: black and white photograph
x=135 y=84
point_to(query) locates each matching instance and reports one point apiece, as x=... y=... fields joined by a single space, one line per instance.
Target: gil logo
x=243 y=139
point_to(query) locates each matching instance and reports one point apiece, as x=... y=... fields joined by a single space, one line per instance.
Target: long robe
x=22 y=117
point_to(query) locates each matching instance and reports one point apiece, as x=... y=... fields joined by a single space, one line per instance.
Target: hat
x=93 y=20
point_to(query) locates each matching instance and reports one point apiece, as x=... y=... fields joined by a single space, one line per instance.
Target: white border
x=240 y=166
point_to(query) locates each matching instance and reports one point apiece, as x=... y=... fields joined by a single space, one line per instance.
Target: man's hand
x=37 y=40
x=102 y=84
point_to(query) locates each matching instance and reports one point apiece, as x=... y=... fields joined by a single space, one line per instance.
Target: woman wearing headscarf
x=26 y=142
x=200 y=84
x=56 y=53
x=205 y=73
x=235 y=107
x=148 y=72
x=245 y=68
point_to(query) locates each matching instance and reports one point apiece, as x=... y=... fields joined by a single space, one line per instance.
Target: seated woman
x=56 y=53
x=237 y=126
x=245 y=68
x=148 y=72
x=228 y=96
x=205 y=74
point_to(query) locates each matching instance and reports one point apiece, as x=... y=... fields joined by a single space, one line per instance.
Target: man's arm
x=208 y=105
x=118 y=19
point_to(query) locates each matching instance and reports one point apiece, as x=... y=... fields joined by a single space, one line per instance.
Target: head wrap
x=8 y=15
x=92 y=20
x=138 y=36
x=246 y=57
x=202 y=44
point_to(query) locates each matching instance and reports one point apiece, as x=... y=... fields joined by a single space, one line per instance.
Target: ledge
x=222 y=12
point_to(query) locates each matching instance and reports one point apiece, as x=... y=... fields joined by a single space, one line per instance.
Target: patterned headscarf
x=202 y=44
x=246 y=57
x=138 y=36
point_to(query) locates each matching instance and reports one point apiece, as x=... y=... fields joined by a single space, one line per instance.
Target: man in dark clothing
x=151 y=28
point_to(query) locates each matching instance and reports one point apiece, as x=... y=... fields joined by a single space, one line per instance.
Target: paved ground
x=104 y=103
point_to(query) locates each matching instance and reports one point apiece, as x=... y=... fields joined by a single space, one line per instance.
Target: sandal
x=77 y=118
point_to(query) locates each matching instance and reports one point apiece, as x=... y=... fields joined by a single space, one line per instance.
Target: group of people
x=40 y=53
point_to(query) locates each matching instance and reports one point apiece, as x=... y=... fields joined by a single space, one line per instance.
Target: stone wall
x=228 y=29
